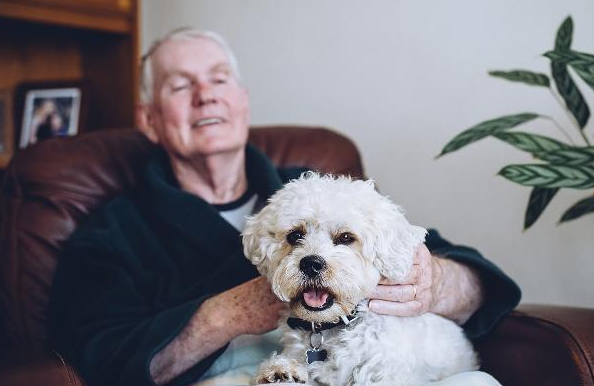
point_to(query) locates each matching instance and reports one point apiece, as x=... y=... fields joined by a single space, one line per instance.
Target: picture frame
x=6 y=127
x=48 y=113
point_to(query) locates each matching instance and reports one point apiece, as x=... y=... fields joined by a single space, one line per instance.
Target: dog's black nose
x=312 y=265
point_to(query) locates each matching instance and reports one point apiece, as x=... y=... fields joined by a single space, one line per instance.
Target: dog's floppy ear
x=257 y=241
x=394 y=241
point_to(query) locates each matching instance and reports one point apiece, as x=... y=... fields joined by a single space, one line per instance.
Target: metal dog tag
x=315 y=355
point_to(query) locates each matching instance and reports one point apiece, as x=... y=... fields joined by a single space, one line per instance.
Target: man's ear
x=245 y=105
x=145 y=121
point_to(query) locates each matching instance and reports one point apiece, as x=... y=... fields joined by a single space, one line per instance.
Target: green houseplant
x=558 y=164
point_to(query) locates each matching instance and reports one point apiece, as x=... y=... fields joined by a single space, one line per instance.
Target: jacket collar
x=194 y=218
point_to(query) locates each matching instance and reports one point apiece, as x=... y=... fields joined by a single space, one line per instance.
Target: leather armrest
x=541 y=345
x=34 y=368
x=534 y=345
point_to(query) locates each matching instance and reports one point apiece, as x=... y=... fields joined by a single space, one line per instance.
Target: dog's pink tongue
x=315 y=298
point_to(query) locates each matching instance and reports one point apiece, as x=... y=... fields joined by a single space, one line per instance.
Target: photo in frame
x=49 y=113
x=6 y=127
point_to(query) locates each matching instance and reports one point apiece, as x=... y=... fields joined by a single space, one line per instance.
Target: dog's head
x=324 y=242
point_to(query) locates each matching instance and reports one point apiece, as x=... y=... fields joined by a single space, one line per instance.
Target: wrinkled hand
x=249 y=308
x=416 y=294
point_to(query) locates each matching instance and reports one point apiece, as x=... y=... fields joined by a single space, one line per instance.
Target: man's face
x=199 y=108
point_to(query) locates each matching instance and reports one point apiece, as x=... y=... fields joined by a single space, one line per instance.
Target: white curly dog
x=323 y=243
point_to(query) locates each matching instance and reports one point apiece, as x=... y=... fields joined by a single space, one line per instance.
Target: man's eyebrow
x=221 y=67
x=216 y=69
x=183 y=74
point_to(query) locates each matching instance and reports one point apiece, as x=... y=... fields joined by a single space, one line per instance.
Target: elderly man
x=154 y=286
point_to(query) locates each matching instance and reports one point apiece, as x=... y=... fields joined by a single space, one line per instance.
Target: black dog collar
x=316 y=353
x=296 y=323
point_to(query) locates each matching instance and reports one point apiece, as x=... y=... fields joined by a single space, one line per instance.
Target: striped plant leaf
x=550 y=176
x=579 y=209
x=565 y=85
x=569 y=57
x=581 y=62
x=586 y=71
x=570 y=93
x=558 y=56
x=523 y=76
x=574 y=156
x=484 y=129
x=532 y=143
x=564 y=35
x=538 y=201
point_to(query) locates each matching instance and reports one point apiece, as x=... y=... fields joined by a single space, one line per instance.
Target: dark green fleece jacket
x=132 y=276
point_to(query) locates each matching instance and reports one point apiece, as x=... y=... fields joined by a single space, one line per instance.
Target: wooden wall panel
x=90 y=43
x=100 y=15
x=37 y=53
x=108 y=69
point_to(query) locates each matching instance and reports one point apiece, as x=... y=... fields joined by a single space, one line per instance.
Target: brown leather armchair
x=49 y=188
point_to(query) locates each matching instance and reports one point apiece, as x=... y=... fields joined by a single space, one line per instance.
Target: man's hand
x=434 y=284
x=249 y=308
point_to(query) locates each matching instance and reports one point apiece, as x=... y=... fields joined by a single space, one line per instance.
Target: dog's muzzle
x=314 y=298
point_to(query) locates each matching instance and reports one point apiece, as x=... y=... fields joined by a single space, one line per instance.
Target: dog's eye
x=344 y=239
x=295 y=237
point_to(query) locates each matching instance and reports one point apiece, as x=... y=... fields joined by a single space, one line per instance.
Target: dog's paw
x=281 y=369
x=276 y=376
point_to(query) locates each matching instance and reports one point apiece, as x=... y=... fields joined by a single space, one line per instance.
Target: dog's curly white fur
x=356 y=236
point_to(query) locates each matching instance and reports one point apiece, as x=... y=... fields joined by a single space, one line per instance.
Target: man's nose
x=312 y=265
x=203 y=94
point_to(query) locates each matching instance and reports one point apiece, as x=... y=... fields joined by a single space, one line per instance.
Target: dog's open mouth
x=316 y=299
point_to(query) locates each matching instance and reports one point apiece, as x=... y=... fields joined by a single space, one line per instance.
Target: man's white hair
x=146 y=66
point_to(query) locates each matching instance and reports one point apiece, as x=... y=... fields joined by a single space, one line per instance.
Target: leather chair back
x=51 y=187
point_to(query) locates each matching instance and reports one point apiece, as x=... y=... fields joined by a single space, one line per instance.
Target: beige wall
x=402 y=78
